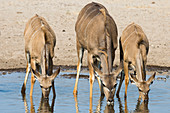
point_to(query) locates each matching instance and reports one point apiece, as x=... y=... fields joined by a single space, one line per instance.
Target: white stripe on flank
x=89 y=23
x=128 y=38
x=86 y=18
x=34 y=34
x=84 y=15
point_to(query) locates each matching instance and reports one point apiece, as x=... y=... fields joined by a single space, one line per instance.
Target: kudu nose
x=110 y=100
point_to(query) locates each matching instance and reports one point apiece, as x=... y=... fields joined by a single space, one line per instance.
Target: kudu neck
x=104 y=64
x=139 y=67
x=44 y=62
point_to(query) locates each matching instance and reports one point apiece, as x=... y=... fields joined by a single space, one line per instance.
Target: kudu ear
x=150 y=80
x=134 y=79
x=97 y=70
x=55 y=74
x=36 y=74
x=118 y=70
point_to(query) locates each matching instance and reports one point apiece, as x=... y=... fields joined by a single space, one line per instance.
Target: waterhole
x=11 y=100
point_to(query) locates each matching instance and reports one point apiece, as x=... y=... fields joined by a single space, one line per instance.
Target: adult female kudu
x=40 y=41
x=96 y=32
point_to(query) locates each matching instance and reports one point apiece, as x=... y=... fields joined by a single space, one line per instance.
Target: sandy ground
x=152 y=15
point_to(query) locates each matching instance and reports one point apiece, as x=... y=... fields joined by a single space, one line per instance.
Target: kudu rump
x=96 y=32
x=134 y=47
x=40 y=41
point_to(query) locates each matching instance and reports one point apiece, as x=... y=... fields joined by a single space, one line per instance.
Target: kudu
x=40 y=41
x=134 y=47
x=96 y=32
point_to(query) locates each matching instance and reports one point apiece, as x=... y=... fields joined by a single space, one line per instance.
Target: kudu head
x=46 y=81
x=143 y=87
x=109 y=83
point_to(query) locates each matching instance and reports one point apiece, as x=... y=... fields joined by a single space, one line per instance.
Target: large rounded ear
x=36 y=74
x=97 y=70
x=54 y=75
x=150 y=80
x=134 y=79
x=118 y=70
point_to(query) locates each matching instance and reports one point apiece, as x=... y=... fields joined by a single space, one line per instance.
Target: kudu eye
x=140 y=90
x=104 y=85
x=115 y=85
x=148 y=90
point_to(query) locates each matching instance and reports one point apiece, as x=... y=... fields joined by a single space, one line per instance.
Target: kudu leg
x=50 y=70
x=98 y=64
x=126 y=77
x=91 y=71
x=120 y=84
x=26 y=78
x=32 y=78
x=53 y=88
x=32 y=109
x=100 y=86
x=80 y=52
x=28 y=68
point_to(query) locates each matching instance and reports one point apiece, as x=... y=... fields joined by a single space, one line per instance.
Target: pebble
x=161 y=78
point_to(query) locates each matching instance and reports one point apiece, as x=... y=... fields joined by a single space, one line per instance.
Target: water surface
x=11 y=100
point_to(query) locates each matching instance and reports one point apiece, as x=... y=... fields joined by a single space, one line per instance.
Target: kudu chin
x=40 y=41
x=134 y=47
x=96 y=32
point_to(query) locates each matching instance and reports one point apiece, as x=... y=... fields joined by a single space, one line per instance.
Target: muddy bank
x=85 y=72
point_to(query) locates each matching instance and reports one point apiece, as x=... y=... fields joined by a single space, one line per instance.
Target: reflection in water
x=25 y=103
x=98 y=107
x=44 y=106
x=120 y=106
x=109 y=109
x=76 y=104
x=141 y=107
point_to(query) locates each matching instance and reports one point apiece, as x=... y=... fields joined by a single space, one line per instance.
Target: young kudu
x=96 y=32
x=40 y=41
x=134 y=47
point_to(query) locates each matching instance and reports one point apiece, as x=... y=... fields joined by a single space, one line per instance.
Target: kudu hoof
x=75 y=93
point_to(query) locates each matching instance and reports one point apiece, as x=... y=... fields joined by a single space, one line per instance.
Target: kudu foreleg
x=80 y=52
x=50 y=70
x=120 y=83
x=91 y=80
x=32 y=77
x=126 y=77
x=28 y=68
x=26 y=77
x=100 y=86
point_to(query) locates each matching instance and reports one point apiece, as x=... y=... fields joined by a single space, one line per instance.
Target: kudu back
x=40 y=41
x=134 y=47
x=96 y=32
